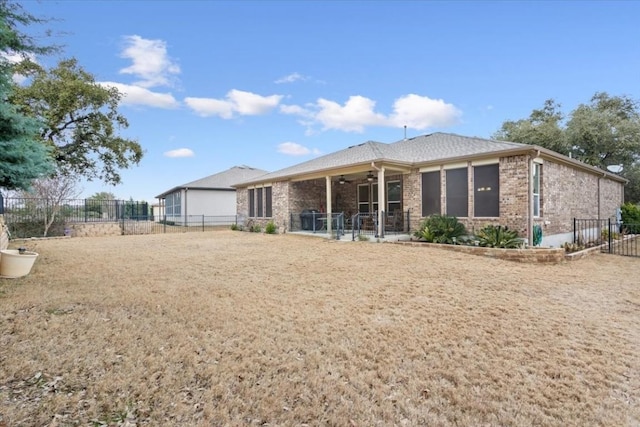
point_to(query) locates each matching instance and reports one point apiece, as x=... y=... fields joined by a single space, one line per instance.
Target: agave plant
x=493 y=236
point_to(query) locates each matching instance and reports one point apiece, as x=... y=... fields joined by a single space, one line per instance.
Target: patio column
x=381 y=201
x=328 y=179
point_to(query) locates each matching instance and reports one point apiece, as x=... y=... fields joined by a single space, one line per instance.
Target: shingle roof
x=439 y=146
x=362 y=153
x=222 y=180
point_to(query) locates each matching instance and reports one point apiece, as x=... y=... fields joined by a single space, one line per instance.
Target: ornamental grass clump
x=270 y=228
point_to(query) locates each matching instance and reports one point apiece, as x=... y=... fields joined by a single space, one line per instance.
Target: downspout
x=530 y=214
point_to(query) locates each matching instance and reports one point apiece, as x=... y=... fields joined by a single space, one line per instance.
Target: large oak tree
x=81 y=122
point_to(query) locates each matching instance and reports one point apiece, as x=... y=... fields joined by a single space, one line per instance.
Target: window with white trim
x=268 y=203
x=172 y=204
x=364 y=193
x=457 y=192
x=260 y=212
x=486 y=200
x=252 y=202
x=537 y=169
x=394 y=197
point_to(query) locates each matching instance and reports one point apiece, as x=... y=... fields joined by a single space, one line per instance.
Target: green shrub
x=234 y=227
x=441 y=229
x=630 y=214
x=492 y=236
x=255 y=228
x=270 y=228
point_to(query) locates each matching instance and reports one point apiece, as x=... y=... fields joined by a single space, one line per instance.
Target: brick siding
x=565 y=193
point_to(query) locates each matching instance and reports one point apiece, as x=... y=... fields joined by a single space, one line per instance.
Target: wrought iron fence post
x=1 y=204
x=202 y=222
x=575 y=222
x=609 y=234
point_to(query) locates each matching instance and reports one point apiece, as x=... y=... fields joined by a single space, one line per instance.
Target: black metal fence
x=360 y=224
x=611 y=236
x=177 y=224
x=32 y=217
x=367 y=224
x=316 y=222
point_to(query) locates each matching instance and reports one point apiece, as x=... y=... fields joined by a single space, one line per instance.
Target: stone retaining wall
x=95 y=229
x=538 y=255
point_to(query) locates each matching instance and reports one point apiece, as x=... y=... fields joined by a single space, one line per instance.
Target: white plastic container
x=15 y=264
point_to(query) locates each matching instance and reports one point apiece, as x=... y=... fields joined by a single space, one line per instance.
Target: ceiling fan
x=342 y=180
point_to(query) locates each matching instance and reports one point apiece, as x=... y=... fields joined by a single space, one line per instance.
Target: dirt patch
x=232 y=328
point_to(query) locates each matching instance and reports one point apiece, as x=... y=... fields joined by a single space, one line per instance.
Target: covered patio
x=351 y=198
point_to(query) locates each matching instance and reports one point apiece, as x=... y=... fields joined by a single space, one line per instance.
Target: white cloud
x=414 y=111
x=421 y=112
x=151 y=62
x=136 y=95
x=293 y=77
x=293 y=149
x=236 y=102
x=296 y=110
x=180 y=152
x=356 y=113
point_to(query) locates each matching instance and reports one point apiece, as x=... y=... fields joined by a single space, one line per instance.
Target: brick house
x=480 y=181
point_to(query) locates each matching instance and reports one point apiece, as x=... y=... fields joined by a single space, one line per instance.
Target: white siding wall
x=210 y=203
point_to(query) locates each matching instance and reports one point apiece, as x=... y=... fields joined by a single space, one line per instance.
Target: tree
x=48 y=195
x=103 y=195
x=81 y=120
x=544 y=127
x=602 y=133
x=22 y=155
x=632 y=189
x=606 y=131
x=101 y=204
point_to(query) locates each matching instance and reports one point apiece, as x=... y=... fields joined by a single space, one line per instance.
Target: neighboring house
x=213 y=196
x=480 y=181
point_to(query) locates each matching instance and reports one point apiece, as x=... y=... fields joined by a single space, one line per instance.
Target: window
x=172 y=204
x=486 y=200
x=268 y=204
x=394 y=196
x=168 y=204
x=252 y=206
x=368 y=197
x=457 y=192
x=430 y=193
x=260 y=205
x=363 y=198
x=537 y=168
x=374 y=197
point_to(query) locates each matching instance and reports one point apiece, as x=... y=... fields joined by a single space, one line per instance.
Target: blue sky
x=213 y=84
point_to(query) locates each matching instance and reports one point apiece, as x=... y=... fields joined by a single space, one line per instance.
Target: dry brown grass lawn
x=231 y=328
